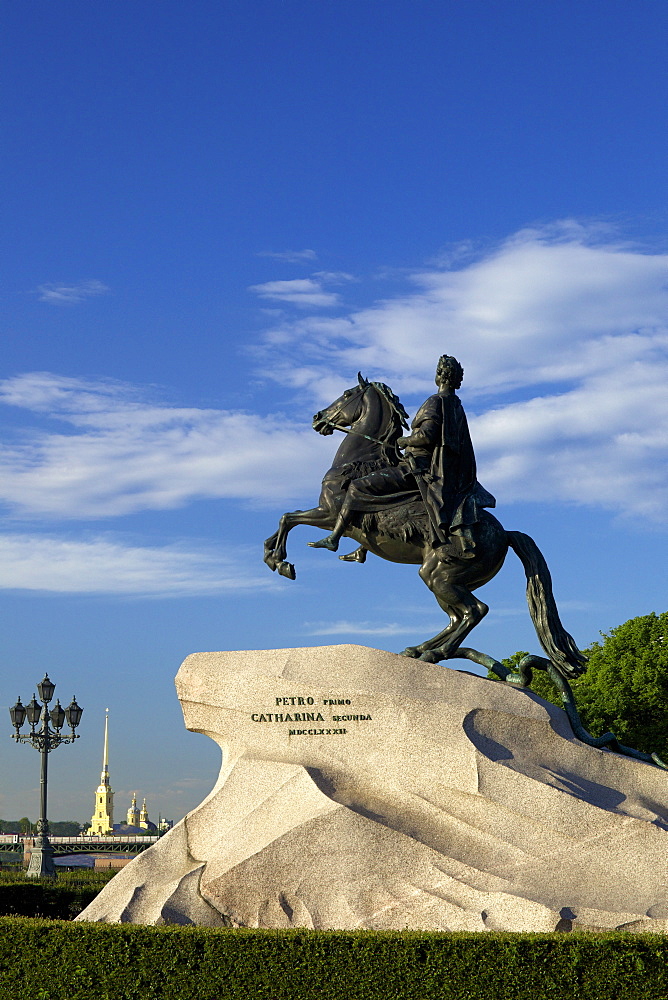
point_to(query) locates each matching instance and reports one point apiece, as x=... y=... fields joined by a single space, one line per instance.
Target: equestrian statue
x=416 y=499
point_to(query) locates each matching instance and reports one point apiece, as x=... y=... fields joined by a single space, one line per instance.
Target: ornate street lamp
x=45 y=739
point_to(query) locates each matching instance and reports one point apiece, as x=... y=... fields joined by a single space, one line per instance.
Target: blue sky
x=214 y=215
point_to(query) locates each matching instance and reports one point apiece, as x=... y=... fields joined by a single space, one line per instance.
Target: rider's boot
x=331 y=542
x=359 y=555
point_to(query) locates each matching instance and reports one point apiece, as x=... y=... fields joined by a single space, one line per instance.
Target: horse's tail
x=553 y=637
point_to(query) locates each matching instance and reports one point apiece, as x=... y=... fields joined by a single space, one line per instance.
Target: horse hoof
x=287 y=569
x=271 y=562
x=432 y=656
x=411 y=651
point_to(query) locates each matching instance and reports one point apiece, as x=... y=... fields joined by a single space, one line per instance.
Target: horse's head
x=344 y=411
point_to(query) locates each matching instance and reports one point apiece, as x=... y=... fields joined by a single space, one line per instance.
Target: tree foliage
x=59 y=828
x=65 y=828
x=625 y=688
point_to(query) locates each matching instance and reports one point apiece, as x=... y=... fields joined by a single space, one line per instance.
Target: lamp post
x=45 y=740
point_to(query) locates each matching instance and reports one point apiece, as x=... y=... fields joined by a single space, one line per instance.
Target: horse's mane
x=396 y=406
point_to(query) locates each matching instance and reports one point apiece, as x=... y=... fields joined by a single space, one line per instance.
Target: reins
x=351 y=430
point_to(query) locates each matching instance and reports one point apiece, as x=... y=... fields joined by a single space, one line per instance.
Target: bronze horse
x=399 y=532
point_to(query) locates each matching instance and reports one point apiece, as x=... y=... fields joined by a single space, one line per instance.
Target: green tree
x=625 y=688
x=65 y=828
x=10 y=826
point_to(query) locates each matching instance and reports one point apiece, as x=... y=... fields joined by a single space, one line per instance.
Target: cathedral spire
x=103 y=817
x=104 y=776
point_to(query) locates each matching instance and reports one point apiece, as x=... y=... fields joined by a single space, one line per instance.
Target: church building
x=103 y=817
x=138 y=818
x=102 y=822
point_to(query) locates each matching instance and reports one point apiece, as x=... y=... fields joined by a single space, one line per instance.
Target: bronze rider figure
x=439 y=461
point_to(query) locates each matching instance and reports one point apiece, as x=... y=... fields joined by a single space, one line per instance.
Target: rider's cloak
x=447 y=461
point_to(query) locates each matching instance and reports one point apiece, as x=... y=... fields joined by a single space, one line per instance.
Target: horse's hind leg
x=464 y=610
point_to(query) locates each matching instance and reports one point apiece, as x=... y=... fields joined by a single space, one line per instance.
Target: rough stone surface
x=460 y=804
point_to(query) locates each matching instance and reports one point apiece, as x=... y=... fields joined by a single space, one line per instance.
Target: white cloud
x=58 y=294
x=603 y=443
x=564 y=339
x=121 y=454
x=302 y=292
x=106 y=566
x=573 y=322
x=335 y=277
x=358 y=628
x=290 y=256
x=541 y=308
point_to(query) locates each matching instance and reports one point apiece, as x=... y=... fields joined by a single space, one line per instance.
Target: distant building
x=137 y=821
x=133 y=812
x=103 y=817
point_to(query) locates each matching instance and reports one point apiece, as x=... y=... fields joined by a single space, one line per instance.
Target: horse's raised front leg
x=464 y=610
x=275 y=547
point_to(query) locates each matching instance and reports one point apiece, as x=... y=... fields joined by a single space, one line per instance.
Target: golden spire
x=104 y=776
x=102 y=821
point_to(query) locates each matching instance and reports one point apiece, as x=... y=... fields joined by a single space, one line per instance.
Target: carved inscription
x=309 y=712
x=317 y=732
x=286 y=717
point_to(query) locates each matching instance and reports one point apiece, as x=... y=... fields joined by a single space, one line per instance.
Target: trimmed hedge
x=62 y=898
x=55 y=960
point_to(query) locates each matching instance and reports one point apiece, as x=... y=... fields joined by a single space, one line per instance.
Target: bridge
x=14 y=843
